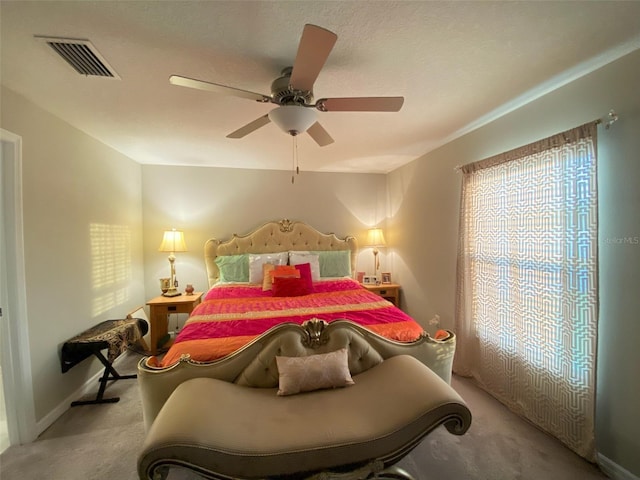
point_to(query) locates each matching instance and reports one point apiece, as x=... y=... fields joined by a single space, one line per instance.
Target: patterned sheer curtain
x=527 y=292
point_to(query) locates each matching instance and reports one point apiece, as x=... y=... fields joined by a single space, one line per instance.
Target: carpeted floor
x=101 y=442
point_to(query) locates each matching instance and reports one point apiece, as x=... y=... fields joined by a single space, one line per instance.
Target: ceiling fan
x=293 y=92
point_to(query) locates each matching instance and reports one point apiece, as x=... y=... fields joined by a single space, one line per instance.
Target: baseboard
x=613 y=470
x=89 y=386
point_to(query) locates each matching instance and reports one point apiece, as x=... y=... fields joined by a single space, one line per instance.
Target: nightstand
x=388 y=291
x=159 y=308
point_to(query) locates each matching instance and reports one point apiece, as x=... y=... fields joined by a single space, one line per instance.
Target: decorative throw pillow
x=269 y=272
x=291 y=287
x=313 y=372
x=266 y=276
x=305 y=272
x=257 y=260
x=296 y=258
x=233 y=268
x=285 y=271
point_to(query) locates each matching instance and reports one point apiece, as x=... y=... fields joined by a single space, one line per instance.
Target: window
x=527 y=302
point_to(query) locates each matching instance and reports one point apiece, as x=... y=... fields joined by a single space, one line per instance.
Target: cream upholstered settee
x=240 y=428
x=255 y=365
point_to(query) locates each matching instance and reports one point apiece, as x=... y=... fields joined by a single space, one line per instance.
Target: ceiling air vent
x=81 y=55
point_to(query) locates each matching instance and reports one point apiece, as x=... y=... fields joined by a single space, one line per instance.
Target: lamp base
x=172 y=292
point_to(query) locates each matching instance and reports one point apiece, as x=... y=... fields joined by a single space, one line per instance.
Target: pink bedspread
x=232 y=315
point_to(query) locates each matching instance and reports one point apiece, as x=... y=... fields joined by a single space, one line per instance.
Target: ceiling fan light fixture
x=293 y=119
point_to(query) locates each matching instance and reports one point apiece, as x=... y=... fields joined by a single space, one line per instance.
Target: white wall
x=423 y=226
x=80 y=199
x=218 y=202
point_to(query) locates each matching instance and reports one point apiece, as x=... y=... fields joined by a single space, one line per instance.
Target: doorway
x=17 y=415
x=4 y=428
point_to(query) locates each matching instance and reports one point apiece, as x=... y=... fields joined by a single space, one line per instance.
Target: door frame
x=16 y=357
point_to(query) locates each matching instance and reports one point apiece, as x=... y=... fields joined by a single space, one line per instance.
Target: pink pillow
x=290 y=287
x=306 y=275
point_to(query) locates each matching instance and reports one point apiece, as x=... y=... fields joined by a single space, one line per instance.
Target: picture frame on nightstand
x=369 y=280
x=386 y=277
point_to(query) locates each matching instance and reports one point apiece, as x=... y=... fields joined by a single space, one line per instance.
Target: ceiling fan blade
x=319 y=134
x=217 y=88
x=360 y=104
x=314 y=48
x=250 y=127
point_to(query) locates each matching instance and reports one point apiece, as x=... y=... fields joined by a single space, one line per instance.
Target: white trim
x=17 y=376
x=613 y=470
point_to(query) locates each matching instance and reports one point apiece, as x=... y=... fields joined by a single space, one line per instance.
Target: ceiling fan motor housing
x=284 y=94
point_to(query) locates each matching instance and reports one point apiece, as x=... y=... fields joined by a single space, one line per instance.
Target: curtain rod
x=612 y=117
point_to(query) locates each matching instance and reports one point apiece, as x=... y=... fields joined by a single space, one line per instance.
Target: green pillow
x=233 y=268
x=335 y=263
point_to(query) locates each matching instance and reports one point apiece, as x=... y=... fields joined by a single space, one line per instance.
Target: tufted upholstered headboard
x=272 y=237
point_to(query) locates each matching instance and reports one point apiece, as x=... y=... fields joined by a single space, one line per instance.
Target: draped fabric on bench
x=113 y=335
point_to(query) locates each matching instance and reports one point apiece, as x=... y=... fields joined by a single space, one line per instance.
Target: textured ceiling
x=458 y=65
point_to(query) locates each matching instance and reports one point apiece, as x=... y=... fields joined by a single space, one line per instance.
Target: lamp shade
x=293 y=119
x=375 y=238
x=173 y=241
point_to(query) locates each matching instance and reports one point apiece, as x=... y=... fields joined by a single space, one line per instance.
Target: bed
x=240 y=317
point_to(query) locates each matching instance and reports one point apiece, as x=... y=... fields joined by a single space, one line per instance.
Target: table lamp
x=172 y=242
x=375 y=239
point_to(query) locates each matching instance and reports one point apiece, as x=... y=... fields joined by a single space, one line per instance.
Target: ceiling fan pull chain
x=293 y=158
x=295 y=140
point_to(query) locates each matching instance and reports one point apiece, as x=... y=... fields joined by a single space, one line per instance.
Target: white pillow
x=297 y=258
x=257 y=260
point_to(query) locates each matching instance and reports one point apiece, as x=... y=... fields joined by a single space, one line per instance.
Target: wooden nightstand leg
x=158 y=330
